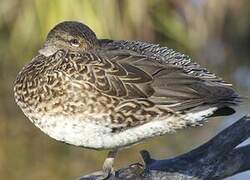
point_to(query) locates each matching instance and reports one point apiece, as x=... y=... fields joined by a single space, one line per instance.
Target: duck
x=105 y=94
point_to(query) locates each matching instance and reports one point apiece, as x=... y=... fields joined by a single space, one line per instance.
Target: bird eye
x=75 y=43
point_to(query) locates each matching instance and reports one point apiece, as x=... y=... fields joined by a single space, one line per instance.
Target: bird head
x=69 y=35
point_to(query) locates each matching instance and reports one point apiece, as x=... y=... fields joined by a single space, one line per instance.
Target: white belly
x=88 y=134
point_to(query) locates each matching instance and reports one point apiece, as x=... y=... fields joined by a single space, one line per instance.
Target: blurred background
x=214 y=33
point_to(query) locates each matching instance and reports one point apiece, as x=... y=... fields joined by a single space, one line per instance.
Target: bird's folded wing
x=128 y=75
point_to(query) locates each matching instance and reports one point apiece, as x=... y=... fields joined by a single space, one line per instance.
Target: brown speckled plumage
x=116 y=86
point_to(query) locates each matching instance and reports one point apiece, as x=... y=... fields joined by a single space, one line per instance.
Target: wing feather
x=129 y=75
x=177 y=81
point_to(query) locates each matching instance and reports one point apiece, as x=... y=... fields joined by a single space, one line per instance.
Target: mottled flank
x=108 y=94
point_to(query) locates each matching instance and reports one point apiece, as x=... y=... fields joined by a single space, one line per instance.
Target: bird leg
x=108 y=163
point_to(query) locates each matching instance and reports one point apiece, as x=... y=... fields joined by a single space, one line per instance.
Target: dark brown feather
x=177 y=82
